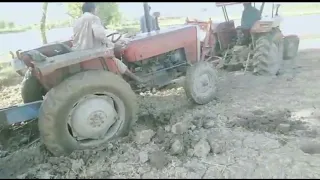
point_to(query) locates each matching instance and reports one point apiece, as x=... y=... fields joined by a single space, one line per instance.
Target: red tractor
x=263 y=53
x=86 y=102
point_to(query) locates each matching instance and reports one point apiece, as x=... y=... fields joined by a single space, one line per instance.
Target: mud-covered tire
x=31 y=89
x=267 y=57
x=291 y=47
x=59 y=100
x=196 y=72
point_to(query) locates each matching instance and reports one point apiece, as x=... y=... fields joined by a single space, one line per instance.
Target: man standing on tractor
x=89 y=33
x=152 y=22
x=250 y=15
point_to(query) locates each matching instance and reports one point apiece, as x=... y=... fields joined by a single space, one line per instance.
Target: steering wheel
x=113 y=35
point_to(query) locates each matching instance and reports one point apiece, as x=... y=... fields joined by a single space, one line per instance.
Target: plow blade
x=17 y=114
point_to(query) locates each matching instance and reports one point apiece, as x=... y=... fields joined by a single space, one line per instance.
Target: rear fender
x=106 y=63
x=55 y=77
x=65 y=60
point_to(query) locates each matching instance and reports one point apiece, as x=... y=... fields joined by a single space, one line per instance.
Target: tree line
x=6 y=25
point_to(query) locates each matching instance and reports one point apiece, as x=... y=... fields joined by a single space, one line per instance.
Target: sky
x=30 y=13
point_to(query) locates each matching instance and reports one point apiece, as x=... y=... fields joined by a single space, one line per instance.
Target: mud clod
x=180 y=128
x=177 y=147
x=283 y=128
x=3 y=154
x=217 y=146
x=195 y=167
x=258 y=112
x=158 y=159
x=143 y=156
x=167 y=128
x=209 y=123
x=144 y=136
x=161 y=135
x=190 y=152
x=202 y=149
x=310 y=147
x=77 y=165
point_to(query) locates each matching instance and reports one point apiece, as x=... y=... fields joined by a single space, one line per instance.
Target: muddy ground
x=258 y=127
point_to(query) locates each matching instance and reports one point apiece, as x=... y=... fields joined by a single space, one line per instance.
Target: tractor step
x=21 y=113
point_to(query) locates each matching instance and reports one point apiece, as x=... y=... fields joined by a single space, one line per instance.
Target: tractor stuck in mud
x=81 y=100
x=86 y=101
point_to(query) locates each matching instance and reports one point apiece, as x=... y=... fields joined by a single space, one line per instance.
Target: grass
x=8 y=76
x=14 y=30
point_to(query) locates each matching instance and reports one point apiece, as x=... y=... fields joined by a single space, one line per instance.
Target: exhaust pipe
x=156 y=17
x=157 y=23
x=147 y=16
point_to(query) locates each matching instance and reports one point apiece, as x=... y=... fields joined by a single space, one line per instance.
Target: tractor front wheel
x=201 y=83
x=85 y=111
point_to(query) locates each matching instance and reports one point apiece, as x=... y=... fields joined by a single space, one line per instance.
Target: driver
x=250 y=15
x=89 y=33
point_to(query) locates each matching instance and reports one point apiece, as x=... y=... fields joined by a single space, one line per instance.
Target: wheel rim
x=95 y=118
x=203 y=85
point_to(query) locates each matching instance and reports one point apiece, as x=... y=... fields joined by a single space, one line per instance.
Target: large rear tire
x=96 y=105
x=201 y=83
x=291 y=47
x=31 y=89
x=268 y=55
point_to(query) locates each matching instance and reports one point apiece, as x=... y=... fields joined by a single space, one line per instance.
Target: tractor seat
x=54 y=49
x=48 y=50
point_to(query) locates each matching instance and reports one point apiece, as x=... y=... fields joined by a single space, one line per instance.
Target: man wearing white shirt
x=89 y=33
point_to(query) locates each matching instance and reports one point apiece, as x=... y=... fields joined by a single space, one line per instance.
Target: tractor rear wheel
x=201 y=83
x=85 y=111
x=291 y=47
x=268 y=56
x=31 y=89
